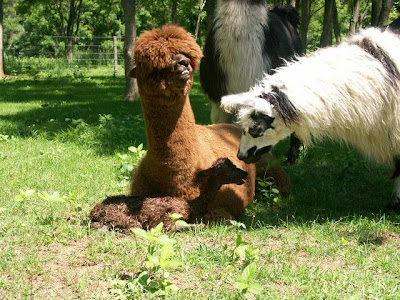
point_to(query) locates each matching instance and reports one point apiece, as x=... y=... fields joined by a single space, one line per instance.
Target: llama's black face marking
x=380 y=55
x=261 y=123
x=283 y=106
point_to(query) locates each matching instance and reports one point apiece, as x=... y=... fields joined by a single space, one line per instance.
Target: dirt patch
x=68 y=274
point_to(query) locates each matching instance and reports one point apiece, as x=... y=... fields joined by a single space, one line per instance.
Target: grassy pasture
x=64 y=147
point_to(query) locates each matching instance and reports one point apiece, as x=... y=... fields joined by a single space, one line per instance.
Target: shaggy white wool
x=240 y=38
x=342 y=93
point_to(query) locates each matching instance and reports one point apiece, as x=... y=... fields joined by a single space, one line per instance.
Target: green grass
x=331 y=238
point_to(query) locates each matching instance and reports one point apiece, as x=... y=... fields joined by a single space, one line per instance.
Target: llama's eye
x=256 y=131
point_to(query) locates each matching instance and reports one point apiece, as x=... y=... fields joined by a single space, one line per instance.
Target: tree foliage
x=31 y=27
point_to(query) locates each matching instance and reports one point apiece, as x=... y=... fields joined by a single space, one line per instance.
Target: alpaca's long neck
x=171 y=133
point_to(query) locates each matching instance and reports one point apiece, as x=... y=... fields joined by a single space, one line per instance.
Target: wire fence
x=66 y=52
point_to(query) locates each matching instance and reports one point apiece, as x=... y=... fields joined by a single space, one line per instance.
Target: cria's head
x=264 y=115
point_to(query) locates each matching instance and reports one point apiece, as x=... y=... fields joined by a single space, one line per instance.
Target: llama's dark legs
x=294 y=149
x=395 y=205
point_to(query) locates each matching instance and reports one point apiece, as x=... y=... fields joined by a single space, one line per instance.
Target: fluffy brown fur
x=124 y=212
x=178 y=148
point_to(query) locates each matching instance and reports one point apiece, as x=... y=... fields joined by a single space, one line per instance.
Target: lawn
x=64 y=147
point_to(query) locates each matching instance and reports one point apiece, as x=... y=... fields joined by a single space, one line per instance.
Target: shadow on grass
x=89 y=111
x=329 y=183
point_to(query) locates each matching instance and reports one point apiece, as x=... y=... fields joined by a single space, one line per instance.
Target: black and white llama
x=246 y=41
x=348 y=93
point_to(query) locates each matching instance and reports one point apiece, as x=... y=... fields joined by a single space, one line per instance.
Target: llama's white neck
x=240 y=37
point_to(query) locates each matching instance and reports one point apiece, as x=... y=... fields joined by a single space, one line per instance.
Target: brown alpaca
x=124 y=212
x=178 y=149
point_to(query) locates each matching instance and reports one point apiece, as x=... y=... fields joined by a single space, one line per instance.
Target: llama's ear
x=132 y=73
x=232 y=103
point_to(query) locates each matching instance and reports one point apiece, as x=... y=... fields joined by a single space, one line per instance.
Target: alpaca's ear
x=132 y=73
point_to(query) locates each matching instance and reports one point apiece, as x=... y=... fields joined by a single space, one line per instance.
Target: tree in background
x=70 y=21
x=380 y=12
x=174 y=13
x=1 y=41
x=305 y=20
x=129 y=7
x=355 y=9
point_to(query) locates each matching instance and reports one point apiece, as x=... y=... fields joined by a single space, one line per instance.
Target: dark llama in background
x=178 y=148
x=247 y=40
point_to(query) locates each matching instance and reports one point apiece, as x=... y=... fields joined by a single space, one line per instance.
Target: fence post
x=115 y=56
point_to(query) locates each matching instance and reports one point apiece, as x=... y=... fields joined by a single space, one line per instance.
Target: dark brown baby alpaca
x=124 y=212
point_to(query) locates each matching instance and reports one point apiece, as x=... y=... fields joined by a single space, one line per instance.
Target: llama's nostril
x=241 y=156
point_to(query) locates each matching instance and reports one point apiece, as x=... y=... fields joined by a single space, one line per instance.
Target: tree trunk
x=129 y=7
x=375 y=12
x=336 y=24
x=297 y=5
x=210 y=9
x=385 y=11
x=305 y=21
x=197 y=33
x=326 y=36
x=364 y=15
x=354 y=16
x=1 y=41
x=74 y=17
x=174 y=14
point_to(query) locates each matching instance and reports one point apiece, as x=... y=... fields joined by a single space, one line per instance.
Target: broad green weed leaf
x=249 y=273
x=175 y=216
x=181 y=223
x=255 y=288
x=157 y=230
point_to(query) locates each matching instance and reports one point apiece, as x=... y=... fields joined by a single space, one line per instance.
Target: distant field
x=64 y=146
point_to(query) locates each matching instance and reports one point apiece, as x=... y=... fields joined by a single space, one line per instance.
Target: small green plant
x=128 y=162
x=267 y=190
x=6 y=137
x=24 y=195
x=244 y=258
x=177 y=218
x=160 y=260
x=245 y=281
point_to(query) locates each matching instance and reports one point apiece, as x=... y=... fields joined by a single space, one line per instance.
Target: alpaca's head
x=265 y=115
x=165 y=61
x=224 y=171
